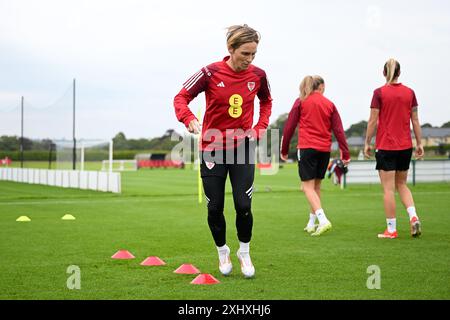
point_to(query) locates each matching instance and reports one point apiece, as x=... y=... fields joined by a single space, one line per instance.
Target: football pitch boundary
x=182 y=197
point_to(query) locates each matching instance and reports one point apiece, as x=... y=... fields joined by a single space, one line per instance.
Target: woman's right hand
x=367 y=152
x=284 y=157
x=195 y=127
x=419 y=152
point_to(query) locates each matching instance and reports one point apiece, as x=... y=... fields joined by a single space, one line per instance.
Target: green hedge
x=27 y=155
x=90 y=155
x=439 y=150
x=98 y=155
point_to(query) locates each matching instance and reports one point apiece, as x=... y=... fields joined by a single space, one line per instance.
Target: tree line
x=164 y=142
x=120 y=141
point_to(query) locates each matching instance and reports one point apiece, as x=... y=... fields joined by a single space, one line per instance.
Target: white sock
x=320 y=214
x=391 y=225
x=412 y=212
x=223 y=251
x=244 y=247
x=244 y=253
x=312 y=219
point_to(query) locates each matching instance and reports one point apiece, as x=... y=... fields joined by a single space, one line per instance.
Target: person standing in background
x=316 y=118
x=393 y=108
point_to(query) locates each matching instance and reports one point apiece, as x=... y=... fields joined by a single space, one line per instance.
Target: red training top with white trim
x=230 y=99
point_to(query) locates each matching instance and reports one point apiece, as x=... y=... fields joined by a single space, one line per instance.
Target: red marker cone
x=122 y=254
x=205 y=278
x=187 y=269
x=152 y=261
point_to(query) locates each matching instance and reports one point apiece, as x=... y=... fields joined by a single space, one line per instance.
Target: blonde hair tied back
x=308 y=85
x=237 y=35
x=391 y=70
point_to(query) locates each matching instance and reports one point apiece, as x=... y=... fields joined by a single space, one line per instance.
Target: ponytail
x=391 y=70
x=308 y=85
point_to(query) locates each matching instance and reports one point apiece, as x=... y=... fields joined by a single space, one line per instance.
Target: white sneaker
x=247 y=268
x=310 y=229
x=225 y=265
x=322 y=228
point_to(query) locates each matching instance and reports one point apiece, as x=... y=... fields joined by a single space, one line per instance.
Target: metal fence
x=419 y=171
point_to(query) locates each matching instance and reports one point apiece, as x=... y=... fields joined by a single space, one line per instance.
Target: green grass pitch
x=158 y=215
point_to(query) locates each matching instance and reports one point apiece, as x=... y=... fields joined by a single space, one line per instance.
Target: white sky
x=130 y=57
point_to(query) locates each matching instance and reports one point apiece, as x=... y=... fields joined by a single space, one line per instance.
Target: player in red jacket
x=393 y=107
x=336 y=167
x=228 y=138
x=316 y=117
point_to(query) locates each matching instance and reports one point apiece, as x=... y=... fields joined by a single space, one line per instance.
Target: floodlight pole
x=74 y=156
x=21 y=135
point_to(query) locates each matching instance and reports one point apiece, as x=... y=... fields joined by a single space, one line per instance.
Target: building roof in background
x=435 y=132
x=355 y=141
x=426 y=133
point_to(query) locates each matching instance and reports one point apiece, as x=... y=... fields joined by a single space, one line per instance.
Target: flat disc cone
x=205 y=278
x=187 y=269
x=122 y=254
x=153 y=261
x=23 y=219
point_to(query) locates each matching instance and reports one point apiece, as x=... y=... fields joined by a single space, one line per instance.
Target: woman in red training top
x=316 y=117
x=230 y=87
x=393 y=107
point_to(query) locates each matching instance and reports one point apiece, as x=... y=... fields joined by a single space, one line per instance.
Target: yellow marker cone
x=23 y=219
x=68 y=217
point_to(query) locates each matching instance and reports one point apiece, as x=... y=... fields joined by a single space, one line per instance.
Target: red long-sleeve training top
x=230 y=99
x=317 y=117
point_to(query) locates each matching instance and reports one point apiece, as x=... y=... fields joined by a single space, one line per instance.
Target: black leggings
x=241 y=177
x=242 y=174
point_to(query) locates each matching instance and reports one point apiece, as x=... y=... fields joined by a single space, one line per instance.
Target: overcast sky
x=130 y=58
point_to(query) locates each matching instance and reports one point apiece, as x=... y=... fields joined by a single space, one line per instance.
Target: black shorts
x=312 y=164
x=218 y=163
x=390 y=160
